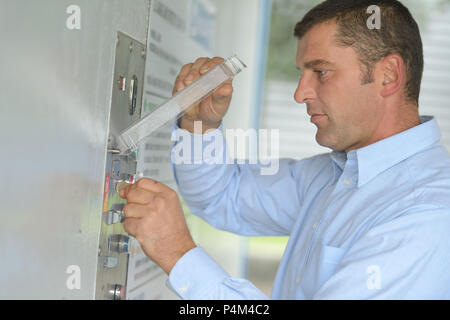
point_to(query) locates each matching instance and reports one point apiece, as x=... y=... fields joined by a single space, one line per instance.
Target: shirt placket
x=345 y=182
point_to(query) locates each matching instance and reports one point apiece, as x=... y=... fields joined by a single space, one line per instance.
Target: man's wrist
x=188 y=124
x=168 y=263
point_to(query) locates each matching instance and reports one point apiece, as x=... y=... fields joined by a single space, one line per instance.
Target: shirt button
x=298 y=279
x=314 y=226
x=347 y=182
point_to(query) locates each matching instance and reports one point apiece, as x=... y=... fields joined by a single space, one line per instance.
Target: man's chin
x=324 y=144
x=327 y=143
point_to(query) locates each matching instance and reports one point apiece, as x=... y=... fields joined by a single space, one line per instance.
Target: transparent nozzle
x=183 y=100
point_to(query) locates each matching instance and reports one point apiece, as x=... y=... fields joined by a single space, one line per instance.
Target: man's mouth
x=315 y=117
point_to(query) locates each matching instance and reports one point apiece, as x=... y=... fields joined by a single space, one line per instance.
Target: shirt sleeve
x=247 y=199
x=196 y=276
x=405 y=258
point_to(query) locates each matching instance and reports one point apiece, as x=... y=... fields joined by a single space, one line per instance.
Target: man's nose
x=304 y=92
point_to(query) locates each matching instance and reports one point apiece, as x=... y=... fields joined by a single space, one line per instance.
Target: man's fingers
x=194 y=73
x=139 y=195
x=198 y=64
x=134 y=210
x=122 y=188
x=151 y=185
x=144 y=191
x=131 y=225
x=179 y=81
x=210 y=64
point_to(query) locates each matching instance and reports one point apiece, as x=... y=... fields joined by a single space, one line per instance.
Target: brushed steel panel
x=129 y=69
x=56 y=95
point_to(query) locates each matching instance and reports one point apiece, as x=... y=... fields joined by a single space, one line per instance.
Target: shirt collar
x=384 y=154
x=339 y=158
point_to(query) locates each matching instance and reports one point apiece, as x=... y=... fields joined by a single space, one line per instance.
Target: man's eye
x=321 y=73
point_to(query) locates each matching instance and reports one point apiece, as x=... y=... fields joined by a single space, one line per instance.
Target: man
x=370 y=220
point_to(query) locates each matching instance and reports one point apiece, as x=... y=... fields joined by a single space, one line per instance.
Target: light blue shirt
x=370 y=224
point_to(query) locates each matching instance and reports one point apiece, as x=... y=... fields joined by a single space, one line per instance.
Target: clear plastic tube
x=173 y=108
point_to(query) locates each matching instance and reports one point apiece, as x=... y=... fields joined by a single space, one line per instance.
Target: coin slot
x=133 y=94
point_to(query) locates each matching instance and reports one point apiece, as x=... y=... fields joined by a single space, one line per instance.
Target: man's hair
x=399 y=33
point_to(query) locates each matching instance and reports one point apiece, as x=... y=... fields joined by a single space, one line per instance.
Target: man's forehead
x=317 y=44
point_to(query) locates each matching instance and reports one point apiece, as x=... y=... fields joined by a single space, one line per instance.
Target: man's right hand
x=213 y=108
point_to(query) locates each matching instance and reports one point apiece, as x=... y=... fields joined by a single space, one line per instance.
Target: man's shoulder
x=312 y=169
x=318 y=159
x=430 y=174
x=313 y=164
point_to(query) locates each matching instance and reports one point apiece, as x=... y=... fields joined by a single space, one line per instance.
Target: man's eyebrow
x=316 y=64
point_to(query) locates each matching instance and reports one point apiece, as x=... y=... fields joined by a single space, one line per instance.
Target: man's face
x=344 y=111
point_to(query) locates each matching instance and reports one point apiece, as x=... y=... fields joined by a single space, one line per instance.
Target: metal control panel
x=115 y=244
x=128 y=84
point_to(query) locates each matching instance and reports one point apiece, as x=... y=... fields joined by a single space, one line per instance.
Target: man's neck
x=391 y=124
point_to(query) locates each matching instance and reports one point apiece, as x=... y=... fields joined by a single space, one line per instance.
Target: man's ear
x=392 y=74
